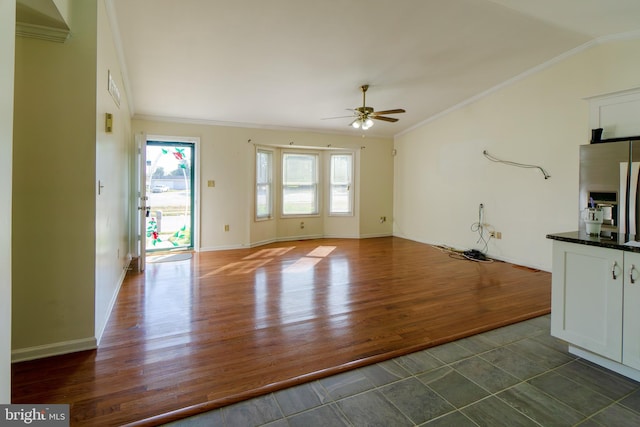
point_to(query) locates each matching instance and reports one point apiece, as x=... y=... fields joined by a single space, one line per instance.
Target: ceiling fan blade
x=361 y=115
x=386 y=119
x=396 y=111
x=339 y=117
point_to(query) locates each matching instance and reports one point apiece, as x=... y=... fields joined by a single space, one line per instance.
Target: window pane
x=340 y=199
x=299 y=184
x=299 y=169
x=264 y=198
x=299 y=200
x=263 y=205
x=340 y=196
x=263 y=166
x=341 y=169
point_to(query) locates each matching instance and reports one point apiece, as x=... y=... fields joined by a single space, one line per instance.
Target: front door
x=170 y=195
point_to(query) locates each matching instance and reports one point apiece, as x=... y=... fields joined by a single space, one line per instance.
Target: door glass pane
x=169 y=189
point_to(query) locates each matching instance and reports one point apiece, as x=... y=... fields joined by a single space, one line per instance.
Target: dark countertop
x=614 y=241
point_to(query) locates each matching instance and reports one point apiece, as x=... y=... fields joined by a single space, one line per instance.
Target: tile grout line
x=449 y=365
x=415 y=376
x=540 y=333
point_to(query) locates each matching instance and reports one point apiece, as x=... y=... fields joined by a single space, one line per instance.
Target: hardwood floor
x=190 y=336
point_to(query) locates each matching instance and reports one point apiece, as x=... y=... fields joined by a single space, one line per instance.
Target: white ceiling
x=291 y=63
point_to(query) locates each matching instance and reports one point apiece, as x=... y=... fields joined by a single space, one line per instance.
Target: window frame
x=269 y=184
x=350 y=184
x=317 y=185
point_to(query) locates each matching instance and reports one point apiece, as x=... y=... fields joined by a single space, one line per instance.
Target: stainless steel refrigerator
x=609 y=176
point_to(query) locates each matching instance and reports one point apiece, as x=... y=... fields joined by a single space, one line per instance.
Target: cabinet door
x=631 y=336
x=586 y=297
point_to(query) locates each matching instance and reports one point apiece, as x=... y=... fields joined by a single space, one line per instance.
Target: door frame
x=195 y=233
x=140 y=177
x=139 y=202
x=165 y=148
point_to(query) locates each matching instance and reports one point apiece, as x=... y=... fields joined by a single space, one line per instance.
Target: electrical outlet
x=496 y=234
x=226 y=227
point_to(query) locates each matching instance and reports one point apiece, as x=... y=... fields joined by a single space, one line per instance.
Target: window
x=341 y=184
x=299 y=184
x=264 y=182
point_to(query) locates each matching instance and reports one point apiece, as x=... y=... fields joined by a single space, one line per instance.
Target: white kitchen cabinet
x=595 y=304
x=586 y=297
x=631 y=310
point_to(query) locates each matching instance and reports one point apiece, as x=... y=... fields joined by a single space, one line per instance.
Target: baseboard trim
x=262 y=243
x=221 y=248
x=489 y=254
x=325 y=236
x=259 y=243
x=306 y=237
x=340 y=236
x=54 y=349
x=112 y=303
x=294 y=238
x=375 y=235
x=614 y=366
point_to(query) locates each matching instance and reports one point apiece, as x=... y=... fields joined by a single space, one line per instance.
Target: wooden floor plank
x=225 y=326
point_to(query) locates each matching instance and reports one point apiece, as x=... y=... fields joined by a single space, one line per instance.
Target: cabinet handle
x=613 y=270
x=633 y=267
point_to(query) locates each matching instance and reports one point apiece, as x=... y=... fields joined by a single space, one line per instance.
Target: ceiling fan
x=363 y=115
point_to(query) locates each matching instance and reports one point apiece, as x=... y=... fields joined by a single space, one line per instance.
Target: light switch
x=211 y=183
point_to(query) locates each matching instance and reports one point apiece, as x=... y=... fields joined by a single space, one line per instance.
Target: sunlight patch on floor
x=322 y=251
x=241 y=267
x=302 y=265
x=257 y=259
x=270 y=253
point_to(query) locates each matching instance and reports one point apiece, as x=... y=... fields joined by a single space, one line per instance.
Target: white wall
x=441 y=175
x=7 y=46
x=76 y=236
x=54 y=190
x=113 y=151
x=227 y=156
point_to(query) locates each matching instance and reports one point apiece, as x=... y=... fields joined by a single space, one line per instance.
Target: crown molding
x=41 y=32
x=240 y=125
x=632 y=35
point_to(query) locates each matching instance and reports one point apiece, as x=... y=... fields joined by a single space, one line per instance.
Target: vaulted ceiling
x=294 y=63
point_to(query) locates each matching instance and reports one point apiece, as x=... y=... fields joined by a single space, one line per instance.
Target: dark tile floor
x=513 y=376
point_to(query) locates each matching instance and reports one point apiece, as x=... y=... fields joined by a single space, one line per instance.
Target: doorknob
x=147 y=210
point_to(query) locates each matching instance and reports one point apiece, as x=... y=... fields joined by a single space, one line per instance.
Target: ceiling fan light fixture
x=362 y=122
x=367 y=123
x=363 y=117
